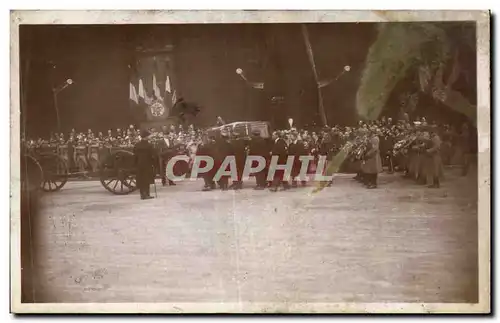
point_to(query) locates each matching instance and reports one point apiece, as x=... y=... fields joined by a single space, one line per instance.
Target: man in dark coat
x=258 y=146
x=144 y=162
x=280 y=149
x=238 y=147
x=221 y=151
x=296 y=149
x=167 y=152
x=206 y=149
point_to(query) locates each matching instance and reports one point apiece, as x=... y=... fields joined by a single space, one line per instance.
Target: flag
x=142 y=93
x=156 y=89
x=174 y=97
x=148 y=75
x=133 y=94
x=167 y=85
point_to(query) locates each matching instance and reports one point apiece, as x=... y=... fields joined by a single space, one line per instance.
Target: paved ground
x=400 y=242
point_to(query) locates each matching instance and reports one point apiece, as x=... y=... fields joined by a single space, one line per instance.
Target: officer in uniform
x=144 y=161
x=373 y=162
x=258 y=146
x=435 y=166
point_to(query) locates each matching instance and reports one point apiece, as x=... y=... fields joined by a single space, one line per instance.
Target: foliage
x=398 y=49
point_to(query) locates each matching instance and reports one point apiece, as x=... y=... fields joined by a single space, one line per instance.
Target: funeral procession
x=304 y=144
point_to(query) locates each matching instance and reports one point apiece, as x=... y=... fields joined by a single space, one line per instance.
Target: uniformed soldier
x=435 y=167
x=423 y=157
x=144 y=161
x=373 y=162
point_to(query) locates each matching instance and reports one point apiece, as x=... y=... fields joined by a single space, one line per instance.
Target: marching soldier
x=144 y=161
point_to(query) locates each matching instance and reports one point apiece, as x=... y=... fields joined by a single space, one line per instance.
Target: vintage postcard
x=250 y=161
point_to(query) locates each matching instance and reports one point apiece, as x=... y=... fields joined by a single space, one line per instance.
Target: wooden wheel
x=55 y=172
x=31 y=173
x=117 y=173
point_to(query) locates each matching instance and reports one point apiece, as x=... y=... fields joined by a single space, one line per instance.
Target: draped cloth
x=152 y=86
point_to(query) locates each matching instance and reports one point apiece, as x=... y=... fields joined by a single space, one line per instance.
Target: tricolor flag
x=167 y=85
x=152 y=85
x=142 y=93
x=156 y=89
x=174 y=97
x=133 y=94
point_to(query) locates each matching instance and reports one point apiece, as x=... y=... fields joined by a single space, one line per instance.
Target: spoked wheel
x=117 y=173
x=31 y=174
x=55 y=172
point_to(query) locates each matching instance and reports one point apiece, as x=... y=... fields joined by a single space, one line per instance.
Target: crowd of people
x=417 y=148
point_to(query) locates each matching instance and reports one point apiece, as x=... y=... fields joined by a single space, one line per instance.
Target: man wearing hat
x=206 y=149
x=221 y=151
x=280 y=149
x=144 y=161
x=238 y=146
x=296 y=149
x=259 y=147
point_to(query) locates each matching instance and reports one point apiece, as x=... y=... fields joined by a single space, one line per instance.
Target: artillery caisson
x=31 y=173
x=51 y=171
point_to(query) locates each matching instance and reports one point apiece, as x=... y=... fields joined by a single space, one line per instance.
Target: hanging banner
x=152 y=92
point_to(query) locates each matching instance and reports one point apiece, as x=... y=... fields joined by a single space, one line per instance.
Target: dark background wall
x=206 y=57
x=97 y=58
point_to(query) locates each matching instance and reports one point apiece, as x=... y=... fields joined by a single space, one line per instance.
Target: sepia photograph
x=250 y=161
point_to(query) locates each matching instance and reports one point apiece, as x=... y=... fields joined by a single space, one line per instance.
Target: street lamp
x=239 y=71
x=55 y=92
x=255 y=85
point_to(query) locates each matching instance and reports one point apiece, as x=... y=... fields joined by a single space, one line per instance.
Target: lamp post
x=55 y=92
